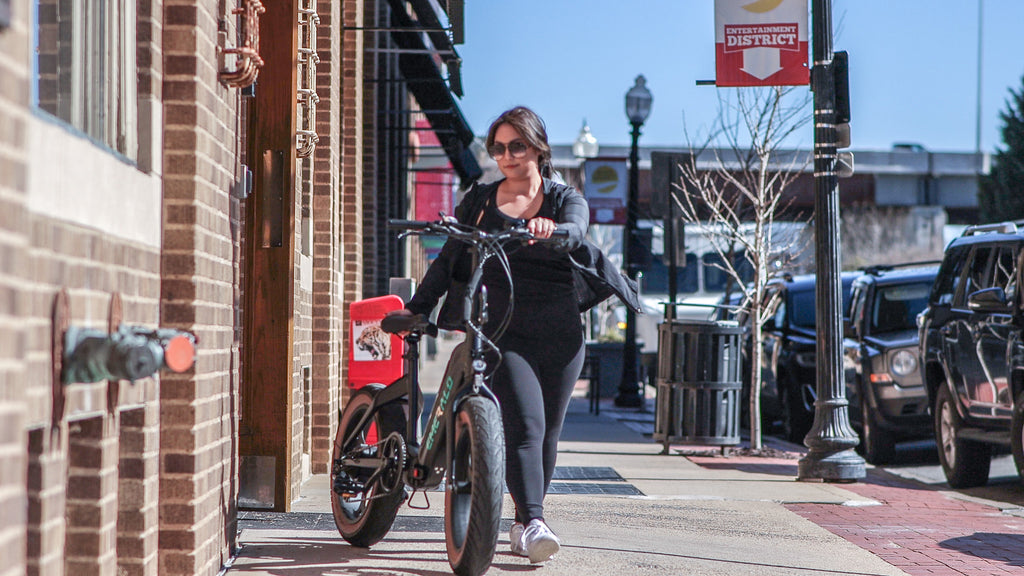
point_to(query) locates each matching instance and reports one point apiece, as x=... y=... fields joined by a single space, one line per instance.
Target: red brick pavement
x=919 y=529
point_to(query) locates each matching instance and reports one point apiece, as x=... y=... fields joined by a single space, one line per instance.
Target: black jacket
x=594 y=276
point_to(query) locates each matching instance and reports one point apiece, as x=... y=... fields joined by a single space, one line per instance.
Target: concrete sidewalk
x=686 y=519
x=622 y=508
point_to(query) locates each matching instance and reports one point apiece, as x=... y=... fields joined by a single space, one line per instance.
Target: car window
x=948 y=279
x=716 y=279
x=1016 y=275
x=656 y=276
x=775 y=308
x=857 y=303
x=1002 y=271
x=896 y=307
x=977 y=276
x=802 y=312
x=847 y=290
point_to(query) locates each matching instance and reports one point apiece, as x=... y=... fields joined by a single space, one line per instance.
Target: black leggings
x=534 y=384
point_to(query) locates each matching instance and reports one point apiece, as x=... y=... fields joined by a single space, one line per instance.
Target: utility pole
x=831 y=441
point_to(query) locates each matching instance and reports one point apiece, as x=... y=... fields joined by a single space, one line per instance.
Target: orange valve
x=179 y=353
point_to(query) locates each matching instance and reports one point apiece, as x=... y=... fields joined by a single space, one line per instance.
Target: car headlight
x=904 y=363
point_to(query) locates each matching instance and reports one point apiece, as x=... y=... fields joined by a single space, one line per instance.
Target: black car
x=888 y=402
x=971 y=351
x=788 y=370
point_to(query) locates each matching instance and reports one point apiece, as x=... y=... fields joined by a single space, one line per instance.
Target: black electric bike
x=378 y=450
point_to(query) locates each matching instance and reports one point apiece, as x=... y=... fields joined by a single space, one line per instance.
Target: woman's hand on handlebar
x=542 y=228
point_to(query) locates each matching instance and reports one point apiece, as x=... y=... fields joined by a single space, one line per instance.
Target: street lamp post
x=638 y=107
x=831 y=441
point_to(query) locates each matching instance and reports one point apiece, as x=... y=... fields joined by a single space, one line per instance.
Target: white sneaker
x=540 y=542
x=515 y=538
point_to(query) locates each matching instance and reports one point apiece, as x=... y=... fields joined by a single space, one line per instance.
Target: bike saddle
x=417 y=323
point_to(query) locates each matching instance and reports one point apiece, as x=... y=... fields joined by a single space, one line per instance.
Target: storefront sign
x=761 y=43
x=606 y=188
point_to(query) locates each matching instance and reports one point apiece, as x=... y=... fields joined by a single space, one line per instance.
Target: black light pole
x=638 y=107
x=831 y=441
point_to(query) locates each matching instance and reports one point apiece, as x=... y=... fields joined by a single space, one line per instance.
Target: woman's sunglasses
x=517 y=148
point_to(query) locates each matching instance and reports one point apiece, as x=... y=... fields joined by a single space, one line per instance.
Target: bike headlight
x=904 y=363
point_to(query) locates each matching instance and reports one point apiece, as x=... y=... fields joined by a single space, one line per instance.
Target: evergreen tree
x=1001 y=192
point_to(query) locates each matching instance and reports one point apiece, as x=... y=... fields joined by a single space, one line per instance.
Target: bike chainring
x=389 y=476
x=393 y=452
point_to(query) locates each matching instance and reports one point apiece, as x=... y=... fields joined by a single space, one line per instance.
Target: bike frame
x=427 y=465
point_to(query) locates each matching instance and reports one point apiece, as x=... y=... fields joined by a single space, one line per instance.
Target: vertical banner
x=606 y=188
x=761 y=43
x=434 y=191
x=434 y=177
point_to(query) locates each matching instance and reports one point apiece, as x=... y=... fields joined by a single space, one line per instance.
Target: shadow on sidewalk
x=1007 y=548
x=783 y=460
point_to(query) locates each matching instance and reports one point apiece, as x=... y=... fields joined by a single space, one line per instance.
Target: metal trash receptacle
x=699 y=383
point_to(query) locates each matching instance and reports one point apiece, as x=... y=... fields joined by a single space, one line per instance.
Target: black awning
x=427 y=84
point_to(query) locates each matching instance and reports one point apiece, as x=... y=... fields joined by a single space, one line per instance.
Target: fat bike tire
x=474 y=495
x=363 y=518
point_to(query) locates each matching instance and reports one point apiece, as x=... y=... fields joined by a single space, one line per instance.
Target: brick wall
x=352 y=131
x=374 y=168
x=13 y=266
x=138 y=490
x=327 y=300
x=371 y=121
x=72 y=446
x=46 y=501
x=91 y=533
x=197 y=431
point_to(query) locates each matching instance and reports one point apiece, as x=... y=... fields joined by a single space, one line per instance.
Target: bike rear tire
x=364 y=518
x=473 y=498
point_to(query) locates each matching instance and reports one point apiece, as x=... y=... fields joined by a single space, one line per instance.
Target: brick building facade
x=144 y=181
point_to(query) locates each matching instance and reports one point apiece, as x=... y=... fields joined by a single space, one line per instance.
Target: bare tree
x=737 y=196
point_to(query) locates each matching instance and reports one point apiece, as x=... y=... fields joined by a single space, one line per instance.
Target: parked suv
x=972 y=354
x=788 y=375
x=888 y=401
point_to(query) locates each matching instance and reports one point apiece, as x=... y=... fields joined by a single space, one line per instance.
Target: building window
x=85 y=72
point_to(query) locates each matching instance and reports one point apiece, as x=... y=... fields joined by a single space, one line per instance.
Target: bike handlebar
x=454 y=229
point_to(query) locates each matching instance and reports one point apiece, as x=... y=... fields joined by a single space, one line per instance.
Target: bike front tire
x=364 y=518
x=473 y=497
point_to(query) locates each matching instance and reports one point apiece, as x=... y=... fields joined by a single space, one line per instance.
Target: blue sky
x=913 y=67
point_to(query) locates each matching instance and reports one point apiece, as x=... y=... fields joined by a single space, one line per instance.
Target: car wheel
x=1017 y=434
x=877 y=445
x=798 y=415
x=965 y=462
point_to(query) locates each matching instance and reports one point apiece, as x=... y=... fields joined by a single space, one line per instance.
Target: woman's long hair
x=531 y=128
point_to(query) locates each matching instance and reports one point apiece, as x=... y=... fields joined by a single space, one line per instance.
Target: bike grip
x=398 y=224
x=560 y=233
